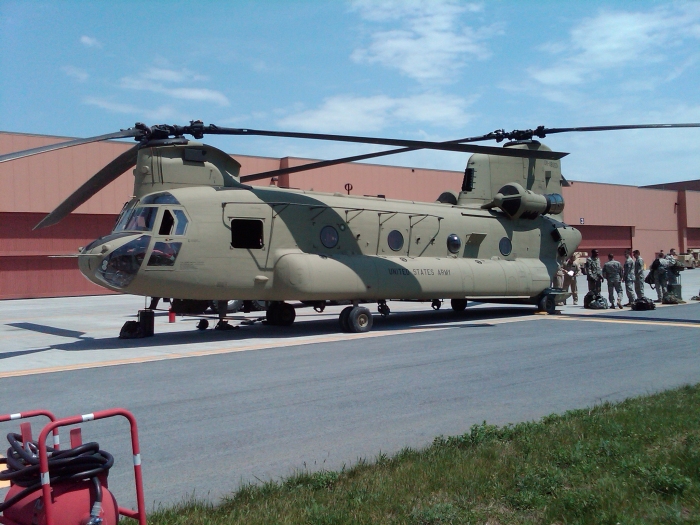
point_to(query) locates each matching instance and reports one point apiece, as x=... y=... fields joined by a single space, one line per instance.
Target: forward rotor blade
x=98 y=181
x=415 y=144
x=125 y=133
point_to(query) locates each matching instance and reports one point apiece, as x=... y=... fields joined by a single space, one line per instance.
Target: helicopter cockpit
x=158 y=215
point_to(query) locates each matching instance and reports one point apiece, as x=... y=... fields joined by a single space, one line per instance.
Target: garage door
x=606 y=239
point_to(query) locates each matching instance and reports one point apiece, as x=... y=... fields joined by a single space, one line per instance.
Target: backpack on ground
x=643 y=303
x=595 y=301
x=669 y=298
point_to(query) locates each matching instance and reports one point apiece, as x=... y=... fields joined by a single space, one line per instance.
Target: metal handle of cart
x=140 y=513
x=34 y=413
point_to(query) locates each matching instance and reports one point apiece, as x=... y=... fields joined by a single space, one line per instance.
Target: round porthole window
x=505 y=246
x=329 y=237
x=395 y=240
x=454 y=243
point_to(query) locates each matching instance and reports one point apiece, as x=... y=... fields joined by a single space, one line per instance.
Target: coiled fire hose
x=83 y=462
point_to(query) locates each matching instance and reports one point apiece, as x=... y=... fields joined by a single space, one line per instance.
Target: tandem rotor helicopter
x=194 y=231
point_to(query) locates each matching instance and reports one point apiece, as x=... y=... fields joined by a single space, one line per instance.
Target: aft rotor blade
x=344 y=160
x=125 y=133
x=416 y=144
x=98 y=181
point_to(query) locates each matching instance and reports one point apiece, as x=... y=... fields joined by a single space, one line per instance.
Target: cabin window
x=395 y=240
x=167 y=223
x=505 y=246
x=247 y=233
x=454 y=243
x=329 y=237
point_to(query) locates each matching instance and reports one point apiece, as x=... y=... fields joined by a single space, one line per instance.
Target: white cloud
x=89 y=41
x=346 y=113
x=616 y=39
x=160 y=80
x=432 y=42
x=159 y=114
x=75 y=72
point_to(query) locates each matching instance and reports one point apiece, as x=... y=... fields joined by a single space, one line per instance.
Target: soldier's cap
x=611 y=256
x=636 y=251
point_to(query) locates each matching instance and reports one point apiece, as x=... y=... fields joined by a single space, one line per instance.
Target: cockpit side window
x=182 y=222
x=247 y=233
x=142 y=219
x=167 y=223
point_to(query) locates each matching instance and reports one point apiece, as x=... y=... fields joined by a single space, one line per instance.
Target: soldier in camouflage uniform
x=660 y=276
x=628 y=275
x=671 y=276
x=571 y=271
x=594 y=272
x=612 y=271
x=638 y=274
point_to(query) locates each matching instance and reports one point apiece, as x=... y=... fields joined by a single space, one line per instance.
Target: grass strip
x=632 y=462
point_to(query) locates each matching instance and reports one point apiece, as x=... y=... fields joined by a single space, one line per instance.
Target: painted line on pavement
x=647 y=322
x=247 y=348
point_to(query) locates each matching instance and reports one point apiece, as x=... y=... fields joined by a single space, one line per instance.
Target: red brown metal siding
x=27 y=268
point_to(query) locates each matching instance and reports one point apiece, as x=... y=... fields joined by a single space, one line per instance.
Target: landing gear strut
x=222 y=307
x=383 y=308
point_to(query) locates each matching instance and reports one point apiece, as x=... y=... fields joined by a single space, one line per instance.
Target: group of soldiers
x=615 y=273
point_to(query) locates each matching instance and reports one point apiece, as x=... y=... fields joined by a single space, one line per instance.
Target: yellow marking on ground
x=649 y=322
x=4 y=484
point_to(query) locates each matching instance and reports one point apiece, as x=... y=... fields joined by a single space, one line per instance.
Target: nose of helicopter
x=114 y=261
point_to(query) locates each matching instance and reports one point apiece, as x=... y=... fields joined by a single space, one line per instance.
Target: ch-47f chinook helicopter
x=195 y=231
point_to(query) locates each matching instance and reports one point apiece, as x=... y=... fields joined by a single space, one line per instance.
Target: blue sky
x=430 y=70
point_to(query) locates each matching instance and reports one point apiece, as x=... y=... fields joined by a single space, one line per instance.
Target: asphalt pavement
x=216 y=409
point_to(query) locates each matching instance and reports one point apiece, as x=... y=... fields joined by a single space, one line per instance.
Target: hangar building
x=611 y=218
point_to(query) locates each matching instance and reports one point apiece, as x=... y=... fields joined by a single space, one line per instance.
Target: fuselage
x=277 y=244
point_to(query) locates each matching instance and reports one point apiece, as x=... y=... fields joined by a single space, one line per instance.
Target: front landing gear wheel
x=458 y=305
x=203 y=324
x=547 y=304
x=437 y=303
x=360 y=320
x=281 y=314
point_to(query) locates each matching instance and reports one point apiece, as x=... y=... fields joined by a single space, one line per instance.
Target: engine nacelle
x=518 y=203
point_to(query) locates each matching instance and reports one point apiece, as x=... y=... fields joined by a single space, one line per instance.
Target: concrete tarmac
x=216 y=409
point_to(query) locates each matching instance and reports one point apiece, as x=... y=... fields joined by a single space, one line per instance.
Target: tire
x=360 y=320
x=343 y=319
x=547 y=304
x=273 y=314
x=458 y=305
x=287 y=314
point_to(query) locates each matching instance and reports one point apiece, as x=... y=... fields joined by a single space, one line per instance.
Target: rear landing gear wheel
x=437 y=303
x=203 y=324
x=360 y=320
x=458 y=305
x=343 y=319
x=547 y=304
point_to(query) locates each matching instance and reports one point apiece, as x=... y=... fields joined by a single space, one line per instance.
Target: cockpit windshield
x=138 y=219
